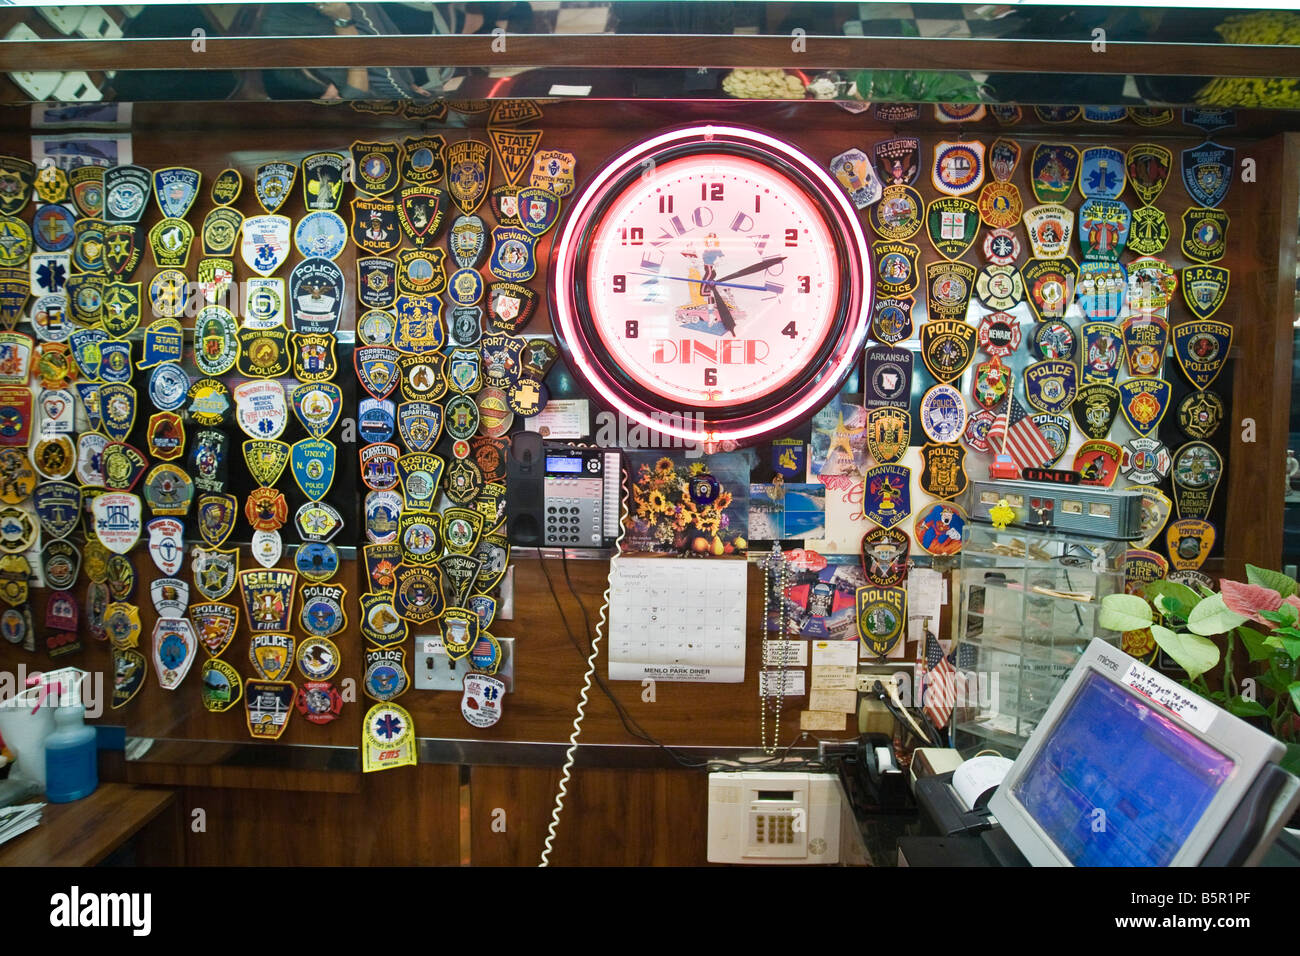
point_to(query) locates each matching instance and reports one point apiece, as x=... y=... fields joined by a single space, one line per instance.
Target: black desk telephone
x=557 y=496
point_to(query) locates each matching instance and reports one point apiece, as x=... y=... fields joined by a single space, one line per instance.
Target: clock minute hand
x=730 y=285
x=756 y=267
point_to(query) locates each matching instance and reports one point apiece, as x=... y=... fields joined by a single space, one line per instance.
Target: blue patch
x=176 y=188
x=1101 y=289
x=117 y=408
x=58 y=507
x=1102 y=173
x=376 y=420
x=538 y=210
x=86 y=345
x=419 y=324
x=1207 y=173
x=465 y=288
x=1104 y=114
x=312 y=461
x=1211 y=120
x=316 y=560
x=1051 y=385
x=168 y=387
x=1103 y=228
x=208 y=458
x=1053 y=170
x=483 y=606
x=887 y=494
x=317 y=292
x=164 y=341
x=419 y=424
x=513 y=254
x=376 y=367
x=790 y=458
x=322 y=234
x=317 y=406
x=53 y=227
x=382 y=511
x=217 y=515
x=88 y=392
x=1103 y=352
x=1201 y=347
x=1144 y=402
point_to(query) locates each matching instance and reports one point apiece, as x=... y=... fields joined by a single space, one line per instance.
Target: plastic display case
x=1028 y=605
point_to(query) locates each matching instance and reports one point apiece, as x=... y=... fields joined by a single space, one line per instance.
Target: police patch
x=947 y=347
x=1207 y=172
x=884 y=556
x=899 y=214
x=273 y=183
x=948 y=290
x=1051 y=385
x=881 y=616
x=1201 y=347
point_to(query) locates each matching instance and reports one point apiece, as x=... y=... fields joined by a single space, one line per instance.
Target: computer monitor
x=1129 y=768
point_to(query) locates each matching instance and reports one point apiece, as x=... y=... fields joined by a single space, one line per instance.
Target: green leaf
x=1212 y=616
x=1291 y=762
x=1276 y=580
x=1294 y=690
x=1256 y=643
x=1289 y=644
x=1242 y=707
x=1275 y=679
x=1124 y=612
x=1177 y=598
x=1194 y=654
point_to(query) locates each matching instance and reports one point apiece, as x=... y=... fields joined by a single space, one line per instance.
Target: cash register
x=1126 y=768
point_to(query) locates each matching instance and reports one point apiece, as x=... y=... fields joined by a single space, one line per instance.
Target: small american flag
x=1023 y=442
x=939 y=693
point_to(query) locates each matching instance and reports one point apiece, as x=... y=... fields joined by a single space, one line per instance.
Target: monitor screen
x=564 y=464
x=1118 y=783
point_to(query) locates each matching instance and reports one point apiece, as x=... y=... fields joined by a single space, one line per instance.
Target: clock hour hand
x=756 y=267
x=724 y=313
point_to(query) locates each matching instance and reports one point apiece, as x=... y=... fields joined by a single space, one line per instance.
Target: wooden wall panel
x=610 y=818
x=406 y=817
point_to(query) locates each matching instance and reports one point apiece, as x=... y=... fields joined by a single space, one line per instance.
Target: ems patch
x=1103 y=173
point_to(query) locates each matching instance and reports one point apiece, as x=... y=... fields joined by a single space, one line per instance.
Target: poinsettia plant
x=1201 y=630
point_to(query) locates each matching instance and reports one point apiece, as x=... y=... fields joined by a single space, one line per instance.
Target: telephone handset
x=557 y=496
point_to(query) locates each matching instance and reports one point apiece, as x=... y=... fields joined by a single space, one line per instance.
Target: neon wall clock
x=711 y=283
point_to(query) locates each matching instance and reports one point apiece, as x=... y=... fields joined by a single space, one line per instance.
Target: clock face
x=714 y=281
x=711 y=283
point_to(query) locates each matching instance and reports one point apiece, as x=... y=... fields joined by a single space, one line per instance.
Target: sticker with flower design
x=688 y=507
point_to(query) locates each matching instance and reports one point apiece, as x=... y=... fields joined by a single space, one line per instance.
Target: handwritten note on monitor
x=677 y=619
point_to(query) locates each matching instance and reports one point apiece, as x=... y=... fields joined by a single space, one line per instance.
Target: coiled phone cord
x=571 y=753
